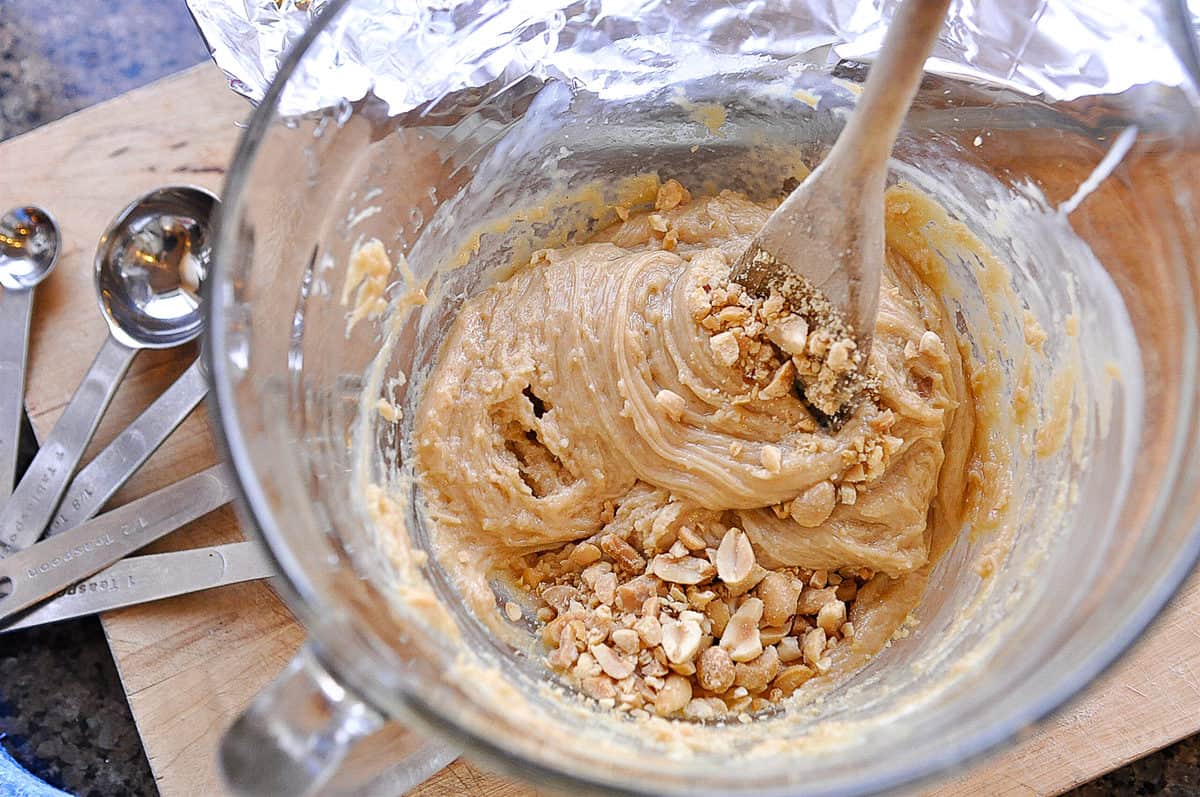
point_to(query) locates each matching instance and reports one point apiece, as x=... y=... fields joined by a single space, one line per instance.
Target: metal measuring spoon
x=97 y=481
x=32 y=575
x=150 y=577
x=150 y=265
x=29 y=244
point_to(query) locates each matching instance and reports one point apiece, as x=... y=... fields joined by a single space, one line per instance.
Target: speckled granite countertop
x=62 y=711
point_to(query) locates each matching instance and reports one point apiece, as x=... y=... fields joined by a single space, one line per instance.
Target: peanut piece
x=623 y=553
x=741 y=632
x=771 y=458
x=613 y=665
x=689 y=570
x=781 y=382
x=599 y=687
x=606 y=588
x=634 y=593
x=650 y=631
x=814 y=646
x=735 y=557
x=672 y=403
x=681 y=640
x=585 y=666
x=831 y=616
x=703 y=708
x=789 y=649
x=585 y=554
x=841 y=354
x=552 y=631
x=811 y=600
x=718 y=612
x=791 y=678
x=771 y=634
x=738 y=588
x=725 y=349
x=789 y=334
x=593 y=572
x=779 y=593
x=814 y=506
x=564 y=656
x=662 y=528
x=690 y=539
x=700 y=598
x=931 y=345
x=676 y=693
x=687 y=668
x=715 y=669
x=559 y=597
x=626 y=639
x=756 y=674
x=671 y=195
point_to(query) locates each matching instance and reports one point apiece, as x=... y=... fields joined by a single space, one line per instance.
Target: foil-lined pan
x=409 y=52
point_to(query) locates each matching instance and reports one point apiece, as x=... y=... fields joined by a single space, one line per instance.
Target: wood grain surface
x=191 y=664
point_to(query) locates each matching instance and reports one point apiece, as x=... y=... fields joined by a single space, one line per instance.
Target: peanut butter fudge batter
x=615 y=432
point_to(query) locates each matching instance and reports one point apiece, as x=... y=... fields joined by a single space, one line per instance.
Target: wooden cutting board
x=191 y=664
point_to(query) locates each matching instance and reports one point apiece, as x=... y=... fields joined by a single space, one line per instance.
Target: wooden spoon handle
x=866 y=143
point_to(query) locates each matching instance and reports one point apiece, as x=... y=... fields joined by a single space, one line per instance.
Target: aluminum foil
x=409 y=52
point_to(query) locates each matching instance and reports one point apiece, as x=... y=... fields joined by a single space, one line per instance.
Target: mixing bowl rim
x=299 y=594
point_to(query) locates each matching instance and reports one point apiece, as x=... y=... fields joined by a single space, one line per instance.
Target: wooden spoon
x=822 y=249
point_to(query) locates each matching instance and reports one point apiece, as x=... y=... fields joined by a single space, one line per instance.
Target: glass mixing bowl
x=1088 y=199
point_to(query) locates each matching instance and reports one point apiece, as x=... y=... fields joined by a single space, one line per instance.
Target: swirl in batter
x=615 y=429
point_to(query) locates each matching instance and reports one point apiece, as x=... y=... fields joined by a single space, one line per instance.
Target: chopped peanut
x=627 y=640
x=622 y=552
x=791 y=678
x=725 y=349
x=779 y=593
x=814 y=646
x=811 y=600
x=585 y=554
x=735 y=557
x=831 y=616
x=675 y=694
x=672 y=403
x=814 y=506
x=613 y=665
x=715 y=669
x=688 y=570
x=741 y=632
x=772 y=459
x=681 y=640
x=671 y=195
x=756 y=674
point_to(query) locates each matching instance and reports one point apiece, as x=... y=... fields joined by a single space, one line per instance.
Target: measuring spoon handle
x=152 y=577
x=31 y=507
x=53 y=565
x=99 y=479
x=15 y=310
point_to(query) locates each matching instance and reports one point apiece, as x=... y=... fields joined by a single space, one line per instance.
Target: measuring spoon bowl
x=29 y=246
